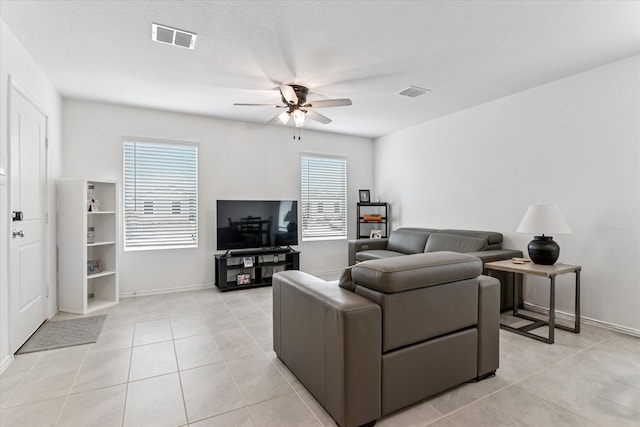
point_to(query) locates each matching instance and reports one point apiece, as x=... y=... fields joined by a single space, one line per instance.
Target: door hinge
x=46 y=143
x=48 y=291
x=46 y=218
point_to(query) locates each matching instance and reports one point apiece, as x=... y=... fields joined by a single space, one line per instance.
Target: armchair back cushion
x=399 y=274
x=421 y=314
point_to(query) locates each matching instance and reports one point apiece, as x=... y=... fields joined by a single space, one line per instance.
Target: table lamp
x=541 y=220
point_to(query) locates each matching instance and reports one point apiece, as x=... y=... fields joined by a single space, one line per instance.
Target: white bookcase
x=79 y=290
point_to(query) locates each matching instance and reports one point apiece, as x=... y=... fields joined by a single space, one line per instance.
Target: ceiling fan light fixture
x=298 y=117
x=284 y=117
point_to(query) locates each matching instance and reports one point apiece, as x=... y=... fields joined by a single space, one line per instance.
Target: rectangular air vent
x=413 y=91
x=173 y=36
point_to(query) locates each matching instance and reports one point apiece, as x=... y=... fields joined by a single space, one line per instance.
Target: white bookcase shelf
x=78 y=291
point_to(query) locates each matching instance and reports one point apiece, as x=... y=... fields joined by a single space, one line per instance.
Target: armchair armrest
x=488 y=325
x=331 y=339
x=364 y=245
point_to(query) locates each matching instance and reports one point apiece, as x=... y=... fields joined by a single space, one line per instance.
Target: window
x=324 y=197
x=160 y=195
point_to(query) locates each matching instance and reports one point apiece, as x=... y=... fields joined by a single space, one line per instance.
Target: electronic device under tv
x=256 y=224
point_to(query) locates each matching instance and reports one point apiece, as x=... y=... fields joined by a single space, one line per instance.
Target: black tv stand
x=231 y=273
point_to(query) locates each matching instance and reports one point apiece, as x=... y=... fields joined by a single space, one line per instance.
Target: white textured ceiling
x=465 y=52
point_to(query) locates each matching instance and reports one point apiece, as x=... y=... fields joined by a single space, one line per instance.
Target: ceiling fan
x=296 y=105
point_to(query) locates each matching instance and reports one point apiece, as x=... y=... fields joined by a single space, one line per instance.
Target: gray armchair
x=393 y=332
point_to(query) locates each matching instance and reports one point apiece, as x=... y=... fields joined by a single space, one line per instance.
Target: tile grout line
x=529 y=376
x=126 y=389
x=64 y=405
x=175 y=354
x=22 y=380
x=224 y=359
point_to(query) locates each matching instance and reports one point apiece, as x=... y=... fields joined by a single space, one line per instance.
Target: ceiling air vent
x=164 y=34
x=413 y=91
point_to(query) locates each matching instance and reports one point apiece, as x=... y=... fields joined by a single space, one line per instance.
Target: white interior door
x=27 y=288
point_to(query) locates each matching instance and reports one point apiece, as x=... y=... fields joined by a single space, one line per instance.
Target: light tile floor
x=205 y=359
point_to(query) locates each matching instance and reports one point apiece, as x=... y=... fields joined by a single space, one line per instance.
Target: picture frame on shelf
x=365 y=196
x=244 y=279
x=375 y=234
x=94 y=266
x=247 y=262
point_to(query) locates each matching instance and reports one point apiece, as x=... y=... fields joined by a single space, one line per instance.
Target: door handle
x=17 y=233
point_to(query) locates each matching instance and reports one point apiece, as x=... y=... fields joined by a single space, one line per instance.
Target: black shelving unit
x=228 y=266
x=365 y=227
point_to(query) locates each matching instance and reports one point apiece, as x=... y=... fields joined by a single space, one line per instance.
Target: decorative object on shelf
x=275 y=258
x=247 y=261
x=92 y=202
x=538 y=220
x=91 y=235
x=375 y=234
x=244 y=279
x=365 y=196
x=94 y=266
x=372 y=217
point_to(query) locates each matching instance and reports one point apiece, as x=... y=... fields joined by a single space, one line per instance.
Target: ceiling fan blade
x=274 y=120
x=259 y=105
x=289 y=94
x=318 y=117
x=328 y=103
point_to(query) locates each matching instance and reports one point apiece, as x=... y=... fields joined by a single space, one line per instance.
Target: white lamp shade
x=543 y=219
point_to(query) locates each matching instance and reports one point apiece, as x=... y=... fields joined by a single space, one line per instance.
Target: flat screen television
x=252 y=224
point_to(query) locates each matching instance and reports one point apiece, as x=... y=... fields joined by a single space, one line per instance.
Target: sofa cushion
x=493 y=238
x=403 y=273
x=376 y=254
x=408 y=240
x=454 y=243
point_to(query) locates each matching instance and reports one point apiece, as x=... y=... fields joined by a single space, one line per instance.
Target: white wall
x=236 y=161
x=16 y=62
x=574 y=142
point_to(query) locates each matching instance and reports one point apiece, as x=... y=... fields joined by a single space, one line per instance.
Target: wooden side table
x=549 y=271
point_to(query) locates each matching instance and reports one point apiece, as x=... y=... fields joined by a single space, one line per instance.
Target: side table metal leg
x=514 y=282
x=577 y=326
x=552 y=309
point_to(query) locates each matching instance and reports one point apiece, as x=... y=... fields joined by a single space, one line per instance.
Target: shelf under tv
x=229 y=265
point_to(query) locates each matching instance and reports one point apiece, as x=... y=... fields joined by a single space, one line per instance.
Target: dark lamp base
x=543 y=250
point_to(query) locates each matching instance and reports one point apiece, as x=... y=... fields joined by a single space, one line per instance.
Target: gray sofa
x=486 y=245
x=394 y=332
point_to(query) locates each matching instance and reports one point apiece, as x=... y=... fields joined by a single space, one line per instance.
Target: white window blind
x=160 y=195
x=324 y=197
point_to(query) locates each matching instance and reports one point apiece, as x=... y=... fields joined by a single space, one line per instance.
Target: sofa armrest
x=488 y=325
x=364 y=245
x=331 y=339
x=496 y=254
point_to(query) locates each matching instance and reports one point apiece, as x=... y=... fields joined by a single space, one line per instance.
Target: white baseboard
x=588 y=320
x=5 y=363
x=167 y=290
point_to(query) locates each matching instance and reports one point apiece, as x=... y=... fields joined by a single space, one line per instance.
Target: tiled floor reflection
x=205 y=359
